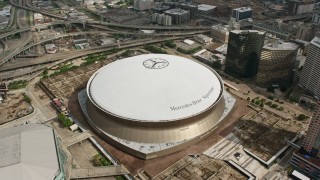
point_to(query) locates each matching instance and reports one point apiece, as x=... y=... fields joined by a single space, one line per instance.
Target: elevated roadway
x=76 y=54
x=21 y=49
x=37 y=10
x=93 y=23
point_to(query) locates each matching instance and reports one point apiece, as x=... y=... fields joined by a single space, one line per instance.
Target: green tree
x=26 y=98
x=270 y=89
x=270 y=97
x=100 y=160
x=65 y=120
x=17 y=84
x=170 y=44
x=190 y=51
x=154 y=49
x=302 y=117
x=216 y=64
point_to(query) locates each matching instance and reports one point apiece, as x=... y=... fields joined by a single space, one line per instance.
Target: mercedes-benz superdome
x=154 y=104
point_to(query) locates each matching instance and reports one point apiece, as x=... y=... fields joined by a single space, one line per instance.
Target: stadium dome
x=154 y=103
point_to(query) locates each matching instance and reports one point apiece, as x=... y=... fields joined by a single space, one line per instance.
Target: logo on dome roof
x=155 y=63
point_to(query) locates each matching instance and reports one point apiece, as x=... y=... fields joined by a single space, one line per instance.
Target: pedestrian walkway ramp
x=98 y=172
x=76 y=138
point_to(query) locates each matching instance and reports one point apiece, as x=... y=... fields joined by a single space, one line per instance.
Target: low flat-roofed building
x=203 y=39
x=106 y=41
x=206 y=9
x=299 y=175
x=210 y=58
x=37 y=17
x=188 y=41
x=178 y=16
x=50 y=48
x=223 y=49
x=80 y=42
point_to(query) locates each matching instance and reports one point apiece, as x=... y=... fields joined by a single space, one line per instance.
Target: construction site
x=258 y=132
x=14 y=107
x=200 y=167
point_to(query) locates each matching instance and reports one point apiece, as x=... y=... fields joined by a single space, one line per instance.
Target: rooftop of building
x=209 y=56
x=202 y=36
x=205 y=7
x=247 y=31
x=161 y=6
x=316 y=41
x=220 y=27
x=28 y=152
x=306 y=157
x=280 y=45
x=176 y=11
x=243 y=9
x=50 y=46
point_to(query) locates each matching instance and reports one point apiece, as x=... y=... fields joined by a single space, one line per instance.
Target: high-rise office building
x=244 y=50
x=310 y=76
x=276 y=64
x=306 y=159
x=311 y=141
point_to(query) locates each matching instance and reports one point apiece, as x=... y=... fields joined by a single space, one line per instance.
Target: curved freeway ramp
x=21 y=49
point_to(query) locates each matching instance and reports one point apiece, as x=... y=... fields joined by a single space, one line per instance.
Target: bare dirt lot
x=155 y=166
x=13 y=108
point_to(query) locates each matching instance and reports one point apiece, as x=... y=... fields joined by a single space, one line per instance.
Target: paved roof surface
x=28 y=152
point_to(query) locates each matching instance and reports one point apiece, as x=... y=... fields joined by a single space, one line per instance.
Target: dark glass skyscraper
x=244 y=51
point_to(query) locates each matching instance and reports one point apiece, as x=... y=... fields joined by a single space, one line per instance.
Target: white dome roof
x=154 y=87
